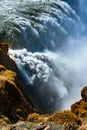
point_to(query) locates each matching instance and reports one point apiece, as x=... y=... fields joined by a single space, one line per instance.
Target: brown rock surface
x=4 y=47
x=12 y=102
x=5 y=60
x=80 y=108
x=84 y=94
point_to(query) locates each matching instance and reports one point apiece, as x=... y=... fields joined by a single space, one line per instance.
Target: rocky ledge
x=17 y=113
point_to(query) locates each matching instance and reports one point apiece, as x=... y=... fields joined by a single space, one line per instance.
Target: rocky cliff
x=12 y=101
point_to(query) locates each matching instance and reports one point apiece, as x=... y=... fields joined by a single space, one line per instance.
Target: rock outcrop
x=12 y=101
x=80 y=108
x=5 y=60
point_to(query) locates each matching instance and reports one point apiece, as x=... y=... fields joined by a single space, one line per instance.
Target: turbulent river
x=47 y=40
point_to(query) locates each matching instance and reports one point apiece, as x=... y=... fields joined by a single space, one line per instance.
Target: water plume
x=49 y=47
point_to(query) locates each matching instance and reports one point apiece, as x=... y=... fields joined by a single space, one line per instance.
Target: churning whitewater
x=47 y=41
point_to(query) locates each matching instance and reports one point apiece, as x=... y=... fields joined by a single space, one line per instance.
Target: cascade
x=47 y=44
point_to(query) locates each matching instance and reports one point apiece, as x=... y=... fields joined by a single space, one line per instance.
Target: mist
x=75 y=50
x=54 y=78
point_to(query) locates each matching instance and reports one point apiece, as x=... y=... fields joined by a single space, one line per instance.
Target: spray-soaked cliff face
x=48 y=48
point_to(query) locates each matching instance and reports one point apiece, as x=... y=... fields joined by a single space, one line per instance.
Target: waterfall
x=47 y=43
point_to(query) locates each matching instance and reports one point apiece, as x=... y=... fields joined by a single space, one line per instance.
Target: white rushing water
x=58 y=76
x=46 y=42
x=36 y=25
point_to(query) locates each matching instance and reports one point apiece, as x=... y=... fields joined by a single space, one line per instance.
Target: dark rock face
x=12 y=101
x=4 y=47
x=5 y=60
x=84 y=94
